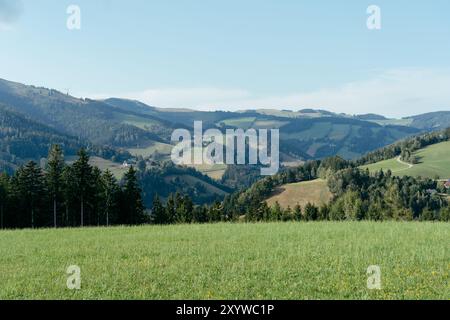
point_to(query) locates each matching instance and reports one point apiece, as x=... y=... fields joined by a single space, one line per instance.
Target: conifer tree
x=110 y=197
x=134 y=207
x=54 y=172
x=158 y=211
x=4 y=195
x=82 y=175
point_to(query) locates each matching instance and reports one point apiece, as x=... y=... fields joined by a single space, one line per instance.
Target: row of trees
x=62 y=195
x=358 y=195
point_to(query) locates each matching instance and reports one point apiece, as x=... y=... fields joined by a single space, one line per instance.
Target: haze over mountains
x=33 y=118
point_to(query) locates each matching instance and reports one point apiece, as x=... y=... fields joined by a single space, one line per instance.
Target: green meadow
x=433 y=161
x=323 y=260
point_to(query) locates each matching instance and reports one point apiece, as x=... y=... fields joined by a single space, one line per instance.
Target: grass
x=322 y=260
x=243 y=123
x=214 y=171
x=116 y=168
x=434 y=161
x=315 y=192
x=163 y=149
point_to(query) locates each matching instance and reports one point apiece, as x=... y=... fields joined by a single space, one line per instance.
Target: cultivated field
x=315 y=192
x=229 y=261
x=434 y=161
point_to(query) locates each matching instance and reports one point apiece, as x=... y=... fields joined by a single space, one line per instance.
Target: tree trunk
x=1 y=214
x=32 y=218
x=107 y=218
x=54 y=212
x=82 y=210
x=67 y=215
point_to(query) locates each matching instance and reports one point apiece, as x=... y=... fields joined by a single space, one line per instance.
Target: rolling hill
x=301 y=193
x=144 y=130
x=434 y=161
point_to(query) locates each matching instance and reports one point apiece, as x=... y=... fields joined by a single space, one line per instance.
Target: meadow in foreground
x=322 y=260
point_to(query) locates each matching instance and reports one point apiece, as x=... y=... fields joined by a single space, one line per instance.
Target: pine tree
x=82 y=174
x=31 y=186
x=158 y=211
x=298 y=215
x=4 y=195
x=54 y=172
x=134 y=207
x=170 y=210
x=110 y=196
x=97 y=199
x=69 y=195
x=311 y=212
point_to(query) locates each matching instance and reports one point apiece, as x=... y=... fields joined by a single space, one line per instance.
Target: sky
x=235 y=54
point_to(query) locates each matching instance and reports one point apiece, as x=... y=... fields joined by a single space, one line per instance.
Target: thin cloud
x=394 y=93
x=10 y=12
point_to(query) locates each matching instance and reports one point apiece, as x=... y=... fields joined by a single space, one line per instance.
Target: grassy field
x=434 y=161
x=116 y=168
x=229 y=261
x=163 y=149
x=315 y=192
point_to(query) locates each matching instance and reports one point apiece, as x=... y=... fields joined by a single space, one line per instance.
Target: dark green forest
x=69 y=196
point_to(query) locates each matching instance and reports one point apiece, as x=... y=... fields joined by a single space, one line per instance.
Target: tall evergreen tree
x=4 y=195
x=110 y=197
x=158 y=211
x=82 y=175
x=54 y=172
x=132 y=193
x=31 y=189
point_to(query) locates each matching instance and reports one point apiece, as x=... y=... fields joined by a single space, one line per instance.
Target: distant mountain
x=97 y=121
x=144 y=130
x=430 y=121
x=370 y=116
x=305 y=134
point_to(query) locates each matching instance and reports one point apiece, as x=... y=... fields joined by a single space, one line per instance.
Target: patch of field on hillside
x=192 y=181
x=103 y=164
x=321 y=260
x=315 y=192
x=434 y=161
x=214 y=171
x=163 y=149
x=243 y=123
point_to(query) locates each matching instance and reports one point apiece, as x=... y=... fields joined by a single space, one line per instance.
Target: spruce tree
x=54 y=172
x=31 y=190
x=83 y=179
x=134 y=207
x=4 y=195
x=158 y=211
x=110 y=197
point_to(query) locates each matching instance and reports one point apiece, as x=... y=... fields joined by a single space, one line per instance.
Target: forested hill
x=22 y=138
x=96 y=121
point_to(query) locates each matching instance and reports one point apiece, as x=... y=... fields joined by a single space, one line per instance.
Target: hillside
x=145 y=130
x=430 y=121
x=96 y=121
x=22 y=139
x=305 y=134
x=434 y=161
x=289 y=195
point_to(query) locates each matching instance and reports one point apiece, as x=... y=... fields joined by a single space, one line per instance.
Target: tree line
x=357 y=195
x=62 y=195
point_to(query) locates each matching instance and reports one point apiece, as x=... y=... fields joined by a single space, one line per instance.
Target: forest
x=80 y=194
x=64 y=195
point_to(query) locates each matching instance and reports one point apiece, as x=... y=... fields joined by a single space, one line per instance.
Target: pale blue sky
x=236 y=54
